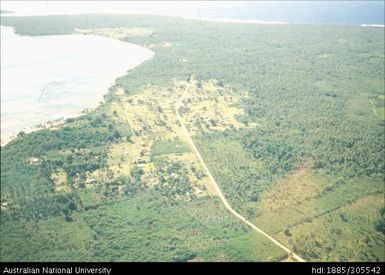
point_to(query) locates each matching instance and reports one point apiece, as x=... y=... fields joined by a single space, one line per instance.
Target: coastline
x=373 y=25
x=47 y=125
x=236 y=21
x=51 y=124
x=196 y=18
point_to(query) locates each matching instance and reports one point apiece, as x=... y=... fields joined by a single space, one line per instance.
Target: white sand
x=373 y=25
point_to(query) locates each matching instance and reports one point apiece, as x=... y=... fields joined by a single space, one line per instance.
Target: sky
x=183 y=8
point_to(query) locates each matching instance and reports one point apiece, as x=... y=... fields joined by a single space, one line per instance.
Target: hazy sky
x=183 y=8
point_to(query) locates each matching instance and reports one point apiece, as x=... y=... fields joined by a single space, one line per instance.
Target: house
x=33 y=161
x=90 y=181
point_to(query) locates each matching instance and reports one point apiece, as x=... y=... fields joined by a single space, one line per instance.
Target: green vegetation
x=28 y=162
x=345 y=233
x=173 y=179
x=169 y=147
x=138 y=229
x=235 y=170
x=315 y=203
x=378 y=106
x=311 y=172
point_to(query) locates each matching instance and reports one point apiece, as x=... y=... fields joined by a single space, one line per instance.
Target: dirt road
x=219 y=191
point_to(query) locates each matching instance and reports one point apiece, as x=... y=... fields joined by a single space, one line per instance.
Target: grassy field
x=169 y=147
x=344 y=233
x=320 y=217
x=377 y=104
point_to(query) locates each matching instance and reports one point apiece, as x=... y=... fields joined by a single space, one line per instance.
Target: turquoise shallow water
x=51 y=77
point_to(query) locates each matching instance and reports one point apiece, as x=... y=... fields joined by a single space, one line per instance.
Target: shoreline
x=45 y=125
x=236 y=21
x=204 y=19
x=373 y=25
x=51 y=124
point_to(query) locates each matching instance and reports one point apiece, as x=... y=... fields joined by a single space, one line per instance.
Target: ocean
x=45 y=78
